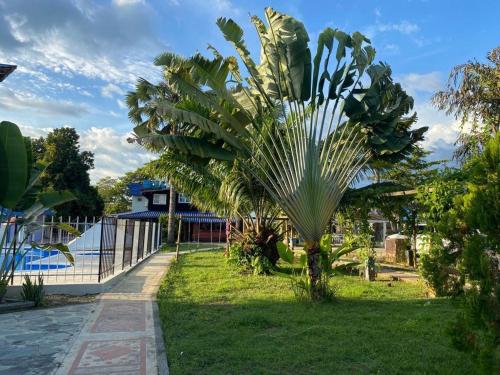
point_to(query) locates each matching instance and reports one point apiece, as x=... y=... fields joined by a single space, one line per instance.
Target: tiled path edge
x=123 y=334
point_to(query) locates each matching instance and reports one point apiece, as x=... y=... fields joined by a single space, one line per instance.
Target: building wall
x=203 y=232
x=139 y=204
x=179 y=207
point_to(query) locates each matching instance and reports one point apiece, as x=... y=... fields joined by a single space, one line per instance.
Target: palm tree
x=142 y=113
x=230 y=191
x=343 y=111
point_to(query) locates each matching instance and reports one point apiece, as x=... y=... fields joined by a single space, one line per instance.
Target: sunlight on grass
x=191 y=246
x=217 y=321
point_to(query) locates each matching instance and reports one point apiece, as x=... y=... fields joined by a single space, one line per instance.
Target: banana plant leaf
x=62 y=248
x=285 y=253
x=13 y=164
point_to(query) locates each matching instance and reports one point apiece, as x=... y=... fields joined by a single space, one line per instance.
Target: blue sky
x=77 y=59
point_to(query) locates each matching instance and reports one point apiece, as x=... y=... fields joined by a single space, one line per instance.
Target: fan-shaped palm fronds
x=341 y=111
x=220 y=187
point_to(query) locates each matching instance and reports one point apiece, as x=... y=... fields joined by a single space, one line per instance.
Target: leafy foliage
x=328 y=258
x=31 y=291
x=68 y=169
x=249 y=256
x=481 y=258
x=465 y=251
x=472 y=96
x=22 y=192
x=438 y=268
x=341 y=109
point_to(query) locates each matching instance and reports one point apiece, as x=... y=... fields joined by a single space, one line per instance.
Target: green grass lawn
x=189 y=246
x=217 y=321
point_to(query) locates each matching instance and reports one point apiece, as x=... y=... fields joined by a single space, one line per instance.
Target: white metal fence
x=106 y=246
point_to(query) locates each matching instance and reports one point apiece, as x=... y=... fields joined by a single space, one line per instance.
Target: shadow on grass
x=346 y=337
x=216 y=321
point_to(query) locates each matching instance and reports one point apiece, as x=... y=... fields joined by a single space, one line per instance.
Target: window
x=183 y=199
x=159 y=198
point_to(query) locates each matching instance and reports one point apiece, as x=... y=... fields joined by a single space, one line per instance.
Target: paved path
x=122 y=335
x=33 y=342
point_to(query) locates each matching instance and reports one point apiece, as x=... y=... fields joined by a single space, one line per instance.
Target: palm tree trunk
x=171 y=216
x=314 y=269
x=171 y=202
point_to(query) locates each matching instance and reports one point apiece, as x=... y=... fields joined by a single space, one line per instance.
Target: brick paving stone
x=111 y=357
x=115 y=335
x=121 y=316
x=121 y=336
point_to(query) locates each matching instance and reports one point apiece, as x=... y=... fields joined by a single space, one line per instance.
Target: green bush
x=477 y=329
x=438 y=269
x=250 y=257
x=33 y=291
x=302 y=289
x=238 y=256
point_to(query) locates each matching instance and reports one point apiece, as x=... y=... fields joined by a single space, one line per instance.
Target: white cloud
x=30 y=131
x=113 y=155
x=80 y=39
x=110 y=90
x=443 y=130
x=391 y=48
x=128 y=2
x=21 y=101
x=420 y=83
x=404 y=27
x=121 y=103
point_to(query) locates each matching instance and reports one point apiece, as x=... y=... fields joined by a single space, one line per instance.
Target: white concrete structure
x=139 y=203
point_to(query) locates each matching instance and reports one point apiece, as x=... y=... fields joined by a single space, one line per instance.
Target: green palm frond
x=302 y=127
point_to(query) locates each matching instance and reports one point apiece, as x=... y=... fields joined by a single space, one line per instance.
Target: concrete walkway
x=34 y=342
x=122 y=335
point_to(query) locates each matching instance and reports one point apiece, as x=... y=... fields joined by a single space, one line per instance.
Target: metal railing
x=106 y=246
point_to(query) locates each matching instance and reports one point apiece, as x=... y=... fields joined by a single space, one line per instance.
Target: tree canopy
x=472 y=95
x=68 y=169
x=115 y=193
x=343 y=109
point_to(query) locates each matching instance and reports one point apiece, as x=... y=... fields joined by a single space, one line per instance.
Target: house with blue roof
x=150 y=200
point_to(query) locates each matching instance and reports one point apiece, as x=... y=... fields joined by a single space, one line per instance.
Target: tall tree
x=344 y=111
x=229 y=190
x=68 y=169
x=473 y=97
x=115 y=192
x=38 y=148
x=142 y=113
x=463 y=208
x=410 y=175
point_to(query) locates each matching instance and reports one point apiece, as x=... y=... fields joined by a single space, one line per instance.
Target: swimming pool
x=36 y=259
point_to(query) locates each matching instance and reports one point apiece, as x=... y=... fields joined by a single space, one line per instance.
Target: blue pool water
x=31 y=261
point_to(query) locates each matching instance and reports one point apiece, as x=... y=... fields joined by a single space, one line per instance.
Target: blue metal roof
x=136 y=188
x=195 y=217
